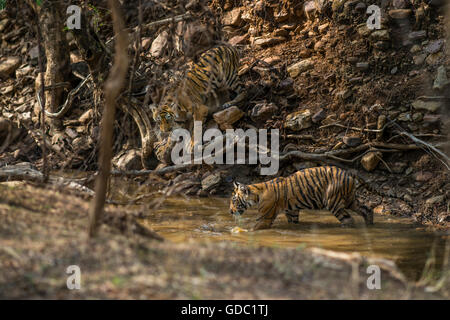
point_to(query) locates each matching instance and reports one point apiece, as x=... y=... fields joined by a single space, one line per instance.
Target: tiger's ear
x=241 y=187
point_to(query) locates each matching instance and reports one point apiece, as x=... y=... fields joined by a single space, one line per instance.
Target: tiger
x=326 y=187
x=199 y=93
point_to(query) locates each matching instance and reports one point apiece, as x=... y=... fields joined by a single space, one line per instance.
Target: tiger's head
x=164 y=117
x=241 y=199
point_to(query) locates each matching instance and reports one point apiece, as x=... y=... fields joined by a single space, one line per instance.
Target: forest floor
x=43 y=231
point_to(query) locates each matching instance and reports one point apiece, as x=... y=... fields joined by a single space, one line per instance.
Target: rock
x=266 y=42
x=417 y=35
x=381 y=45
x=323 y=27
x=380 y=35
x=23 y=71
x=394 y=70
x=400 y=13
x=297 y=68
x=281 y=16
x=417 y=117
x=8 y=66
x=419 y=59
x=211 y=181
x=299 y=120
x=360 y=7
x=33 y=53
x=86 y=116
x=239 y=39
x=406 y=116
x=441 y=80
x=319 y=116
x=3 y=24
x=263 y=111
x=426 y=105
x=423 y=176
x=363 y=31
x=433 y=200
x=272 y=60
x=227 y=117
x=310 y=9
x=131 y=160
x=362 y=66
x=159 y=44
x=381 y=210
x=344 y=94
x=400 y=4
x=352 y=141
x=370 y=160
x=434 y=58
x=233 y=18
x=435 y=46
x=146 y=43
x=319 y=46
x=415 y=49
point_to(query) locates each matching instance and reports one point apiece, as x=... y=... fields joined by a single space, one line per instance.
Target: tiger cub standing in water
x=199 y=93
x=329 y=188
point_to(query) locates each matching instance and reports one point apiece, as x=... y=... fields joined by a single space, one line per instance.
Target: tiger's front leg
x=266 y=219
x=264 y=223
x=292 y=216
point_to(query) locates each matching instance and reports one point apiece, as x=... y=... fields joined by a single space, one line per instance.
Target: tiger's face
x=241 y=199
x=164 y=117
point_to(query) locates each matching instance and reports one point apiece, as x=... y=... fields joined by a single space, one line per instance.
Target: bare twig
x=113 y=86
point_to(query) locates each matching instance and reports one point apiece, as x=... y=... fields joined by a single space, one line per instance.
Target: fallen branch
x=28 y=173
x=353 y=128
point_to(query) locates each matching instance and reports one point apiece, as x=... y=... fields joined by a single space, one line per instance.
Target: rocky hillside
x=355 y=96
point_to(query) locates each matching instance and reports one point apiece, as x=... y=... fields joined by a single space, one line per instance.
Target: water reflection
x=207 y=219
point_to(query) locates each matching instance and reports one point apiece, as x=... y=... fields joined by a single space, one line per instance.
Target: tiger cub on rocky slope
x=200 y=92
x=329 y=188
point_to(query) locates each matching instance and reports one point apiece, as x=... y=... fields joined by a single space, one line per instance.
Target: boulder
x=8 y=66
x=319 y=116
x=299 y=67
x=267 y=42
x=441 y=80
x=159 y=44
x=227 y=117
x=263 y=111
x=352 y=141
x=233 y=18
x=299 y=120
x=211 y=181
x=370 y=160
x=399 y=14
x=239 y=39
x=427 y=105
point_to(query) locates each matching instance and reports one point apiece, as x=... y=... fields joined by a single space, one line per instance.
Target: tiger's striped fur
x=198 y=95
x=329 y=188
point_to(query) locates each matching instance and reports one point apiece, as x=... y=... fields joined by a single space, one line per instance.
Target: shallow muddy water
x=182 y=219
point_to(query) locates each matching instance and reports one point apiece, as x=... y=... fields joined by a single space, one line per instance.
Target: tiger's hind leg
x=345 y=218
x=292 y=216
x=363 y=211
